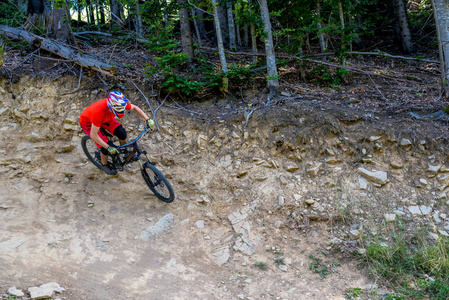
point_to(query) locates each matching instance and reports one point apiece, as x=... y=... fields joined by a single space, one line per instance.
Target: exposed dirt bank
x=281 y=185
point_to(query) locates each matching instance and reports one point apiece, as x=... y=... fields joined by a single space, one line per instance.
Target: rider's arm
x=138 y=111
x=94 y=135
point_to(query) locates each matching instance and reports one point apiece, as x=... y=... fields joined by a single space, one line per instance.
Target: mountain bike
x=128 y=153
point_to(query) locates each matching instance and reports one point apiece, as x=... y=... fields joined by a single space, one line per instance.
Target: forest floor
x=228 y=158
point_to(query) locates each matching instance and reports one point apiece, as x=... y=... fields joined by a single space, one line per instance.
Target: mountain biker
x=100 y=117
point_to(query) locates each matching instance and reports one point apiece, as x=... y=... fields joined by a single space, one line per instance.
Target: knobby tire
x=157 y=183
x=89 y=149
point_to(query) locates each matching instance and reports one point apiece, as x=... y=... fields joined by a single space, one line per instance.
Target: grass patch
x=261 y=265
x=353 y=293
x=318 y=266
x=414 y=265
x=279 y=261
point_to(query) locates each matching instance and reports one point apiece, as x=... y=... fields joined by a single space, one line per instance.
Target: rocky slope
x=263 y=199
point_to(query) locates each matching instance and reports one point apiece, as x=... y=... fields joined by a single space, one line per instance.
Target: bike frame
x=136 y=150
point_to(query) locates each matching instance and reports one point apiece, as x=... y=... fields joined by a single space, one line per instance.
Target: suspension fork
x=146 y=156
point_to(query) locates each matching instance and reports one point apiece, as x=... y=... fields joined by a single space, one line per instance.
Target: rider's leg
x=120 y=133
x=104 y=153
x=104 y=159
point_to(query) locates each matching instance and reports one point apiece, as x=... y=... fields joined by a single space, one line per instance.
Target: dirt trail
x=239 y=189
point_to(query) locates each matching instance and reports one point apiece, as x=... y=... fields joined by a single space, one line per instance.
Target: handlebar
x=141 y=134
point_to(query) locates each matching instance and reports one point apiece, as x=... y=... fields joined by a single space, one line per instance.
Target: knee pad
x=120 y=132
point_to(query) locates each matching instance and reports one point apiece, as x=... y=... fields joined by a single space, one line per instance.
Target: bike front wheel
x=157 y=183
x=91 y=150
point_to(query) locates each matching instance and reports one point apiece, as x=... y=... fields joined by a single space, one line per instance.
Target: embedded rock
x=378 y=177
x=45 y=291
x=163 y=224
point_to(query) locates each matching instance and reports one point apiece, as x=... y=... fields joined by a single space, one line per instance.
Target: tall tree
x=39 y=7
x=90 y=12
x=253 y=35
x=272 y=79
x=405 y=36
x=342 y=26
x=232 y=39
x=102 y=16
x=221 y=52
x=222 y=13
x=320 y=27
x=186 y=34
x=61 y=24
x=139 y=25
x=199 y=18
x=23 y=6
x=115 y=13
x=441 y=14
x=197 y=28
x=78 y=10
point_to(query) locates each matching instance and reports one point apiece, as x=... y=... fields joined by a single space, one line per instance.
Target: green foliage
x=353 y=293
x=162 y=40
x=392 y=297
x=172 y=61
x=21 y=44
x=170 y=65
x=414 y=267
x=237 y=75
x=10 y=14
x=279 y=261
x=325 y=77
x=180 y=84
x=318 y=266
x=261 y=265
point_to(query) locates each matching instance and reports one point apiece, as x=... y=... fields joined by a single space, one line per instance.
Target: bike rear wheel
x=157 y=183
x=91 y=150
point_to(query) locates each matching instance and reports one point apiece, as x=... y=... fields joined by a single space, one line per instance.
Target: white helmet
x=117 y=103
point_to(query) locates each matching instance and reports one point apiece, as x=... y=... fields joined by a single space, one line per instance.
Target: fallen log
x=58 y=49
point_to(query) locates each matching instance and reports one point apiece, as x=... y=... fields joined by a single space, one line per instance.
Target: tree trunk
x=319 y=27
x=342 y=26
x=246 y=35
x=78 y=10
x=404 y=31
x=122 y=11
x=89 y=20
x=186 y=35
x=232 y=41
x=139 y=26
x=40 y=10
x=23 y=6
x=58 y=49
x=221 y=51
x=441 y=14
x=200 y=24
x=272 y=78
x=253 y=36
x=197 y=29
x=239 y=37
x=238 y=28
x=92 y=16
x=97 y=12
x=223 y=17
x=102 y=16
x=115 y=14
x=36 y=7
x=61 y=25
x=165 y=13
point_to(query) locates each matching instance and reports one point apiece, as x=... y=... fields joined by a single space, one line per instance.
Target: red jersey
x=98 y=113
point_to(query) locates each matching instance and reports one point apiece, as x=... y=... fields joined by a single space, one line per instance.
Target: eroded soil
x=255 y=164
